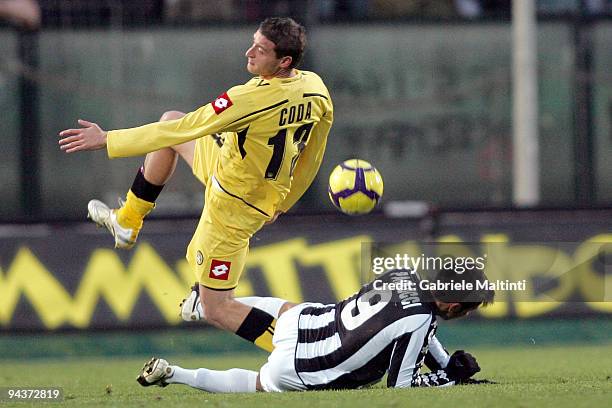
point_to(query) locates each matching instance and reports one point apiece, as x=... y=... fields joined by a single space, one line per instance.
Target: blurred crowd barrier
x=80 y=282
x=152 y=12
x=428 y=105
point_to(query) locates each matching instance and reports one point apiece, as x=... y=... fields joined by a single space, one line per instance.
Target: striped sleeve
x=408 y=356
x=437 y=357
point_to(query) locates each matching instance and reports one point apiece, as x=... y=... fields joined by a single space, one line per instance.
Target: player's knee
x=171 y=115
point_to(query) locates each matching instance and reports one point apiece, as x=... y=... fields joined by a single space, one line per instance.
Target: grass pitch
x=528 y=376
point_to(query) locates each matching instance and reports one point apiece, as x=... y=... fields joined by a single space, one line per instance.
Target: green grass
x=528 y=375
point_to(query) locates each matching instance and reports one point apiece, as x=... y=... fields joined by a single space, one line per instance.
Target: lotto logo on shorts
x=219 y=269
x=222 y=103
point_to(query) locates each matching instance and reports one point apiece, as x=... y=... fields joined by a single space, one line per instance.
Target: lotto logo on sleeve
x=222 y=102
x=219 y=269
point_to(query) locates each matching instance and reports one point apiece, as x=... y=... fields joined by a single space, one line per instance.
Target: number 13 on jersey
x=279 y=145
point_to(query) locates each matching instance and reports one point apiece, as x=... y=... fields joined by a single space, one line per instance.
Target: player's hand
x=461 y=365
x=89 y=137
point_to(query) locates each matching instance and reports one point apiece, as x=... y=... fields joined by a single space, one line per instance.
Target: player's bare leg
x=125 y=223
x=159 y=166
x=221 y=309
x=255 y=324
x=192 y=309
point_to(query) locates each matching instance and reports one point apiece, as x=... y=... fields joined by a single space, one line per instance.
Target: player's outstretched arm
x=89 y=137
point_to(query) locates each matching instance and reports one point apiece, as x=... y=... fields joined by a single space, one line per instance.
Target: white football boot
x=191 y=307
x=155 y=372
x=101 y=214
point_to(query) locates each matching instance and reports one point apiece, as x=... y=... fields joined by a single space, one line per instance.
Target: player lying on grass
x=347 y=345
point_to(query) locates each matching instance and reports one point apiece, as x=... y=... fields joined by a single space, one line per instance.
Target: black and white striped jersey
x=355 y=342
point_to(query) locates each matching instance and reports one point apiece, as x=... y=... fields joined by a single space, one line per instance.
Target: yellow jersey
x=277 y=135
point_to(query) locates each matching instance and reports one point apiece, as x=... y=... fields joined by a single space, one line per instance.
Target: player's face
x=261 y=58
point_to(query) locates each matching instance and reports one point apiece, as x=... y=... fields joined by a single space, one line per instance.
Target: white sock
x=233 y=380
x=270 y=305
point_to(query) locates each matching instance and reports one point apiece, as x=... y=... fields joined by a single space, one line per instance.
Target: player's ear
x=285 y=62
x=454 y=308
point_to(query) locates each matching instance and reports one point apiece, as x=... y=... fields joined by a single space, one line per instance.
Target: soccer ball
x=355 y=187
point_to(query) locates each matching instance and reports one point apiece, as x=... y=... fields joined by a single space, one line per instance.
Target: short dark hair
x=468 y=299
x=288 y=36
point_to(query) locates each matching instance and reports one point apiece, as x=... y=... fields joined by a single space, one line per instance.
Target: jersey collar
x=298 y=76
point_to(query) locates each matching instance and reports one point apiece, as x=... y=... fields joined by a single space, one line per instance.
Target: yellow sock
x=264 y=341
x=133 y=211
